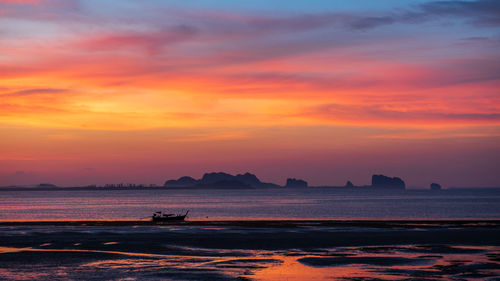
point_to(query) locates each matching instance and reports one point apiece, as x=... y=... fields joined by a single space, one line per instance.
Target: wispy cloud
x=35 y=91
x=386 y=114
x=88 y=56
x=153 y=41
x=20 y=1
x=479 y=12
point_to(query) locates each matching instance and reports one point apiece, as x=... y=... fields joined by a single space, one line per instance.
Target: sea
x=261 y=234
x=250 y=204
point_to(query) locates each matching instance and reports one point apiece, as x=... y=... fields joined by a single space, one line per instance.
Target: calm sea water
x=320 y=203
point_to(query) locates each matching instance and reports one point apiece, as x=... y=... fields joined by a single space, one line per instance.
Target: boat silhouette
x=162 y=217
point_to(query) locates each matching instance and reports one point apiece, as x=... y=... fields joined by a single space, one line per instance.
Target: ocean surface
x=312 y=203
x=274 y=234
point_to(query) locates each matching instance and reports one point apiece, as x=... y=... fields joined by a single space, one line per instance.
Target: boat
x=161 y=217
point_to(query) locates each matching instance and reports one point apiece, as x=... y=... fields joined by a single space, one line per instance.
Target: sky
x=110 y=91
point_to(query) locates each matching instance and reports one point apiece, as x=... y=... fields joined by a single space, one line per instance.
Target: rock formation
x=220 y=180
x=435 y=186
x=381 y=181
x=211 y=178
x=349 y=184
x=295 y=183
x=181 y=182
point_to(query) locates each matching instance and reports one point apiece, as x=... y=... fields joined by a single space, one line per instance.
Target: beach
x=275 y=234
x=251 y=250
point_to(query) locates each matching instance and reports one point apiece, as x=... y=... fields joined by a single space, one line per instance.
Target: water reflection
x=383 y=262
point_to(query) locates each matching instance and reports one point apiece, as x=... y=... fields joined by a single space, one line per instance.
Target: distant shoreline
x=364 y=188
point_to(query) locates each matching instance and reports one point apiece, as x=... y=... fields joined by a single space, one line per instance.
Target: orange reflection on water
x=383 y=262
x=16 y=275
x=12 y=250
x=292 y=270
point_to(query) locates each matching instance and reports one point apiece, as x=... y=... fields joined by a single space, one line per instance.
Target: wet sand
x=269 y=223
x=250 y=250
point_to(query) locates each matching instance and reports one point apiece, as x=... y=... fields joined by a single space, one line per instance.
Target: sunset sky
x=109 y=91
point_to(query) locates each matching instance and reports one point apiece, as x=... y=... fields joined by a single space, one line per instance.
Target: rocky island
x=291 y=182
x=384 y=182
x=435 y=186
x=220 y=180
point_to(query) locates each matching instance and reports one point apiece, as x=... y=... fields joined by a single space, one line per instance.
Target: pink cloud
x=153 y=41
x=33 y=2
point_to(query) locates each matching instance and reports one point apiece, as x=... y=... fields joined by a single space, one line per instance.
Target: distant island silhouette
x=248 y=180
x=47 y=185
x=435 y=186
x=222 y=180
x=295 y=183
x=381 y=181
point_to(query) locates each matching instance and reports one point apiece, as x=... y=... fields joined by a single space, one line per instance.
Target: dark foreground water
x=252 y=251
x=312 y=203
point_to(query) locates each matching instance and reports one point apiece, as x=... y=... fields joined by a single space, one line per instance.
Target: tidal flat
x=251 y=250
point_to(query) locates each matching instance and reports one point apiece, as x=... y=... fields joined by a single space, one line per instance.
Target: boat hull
x=159 y=217
x=167 y=219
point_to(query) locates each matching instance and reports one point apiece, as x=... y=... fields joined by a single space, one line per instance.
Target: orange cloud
x=191 y=75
